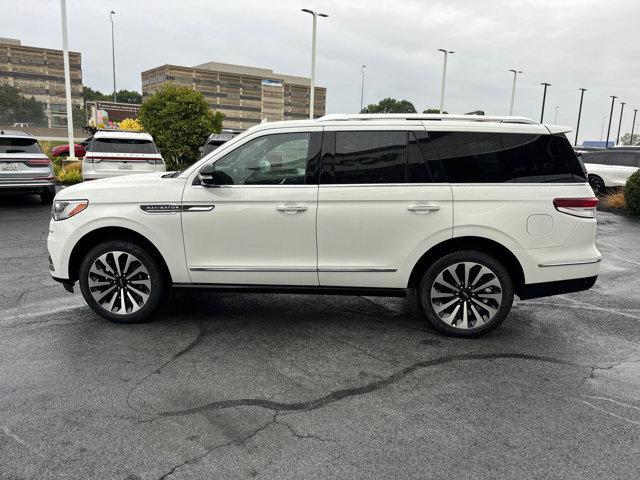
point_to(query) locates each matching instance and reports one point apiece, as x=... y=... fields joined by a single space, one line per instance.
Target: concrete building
x=246 y=95
x=39 y=72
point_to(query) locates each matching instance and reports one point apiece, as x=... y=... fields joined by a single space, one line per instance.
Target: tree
x=123 y=96
x=15 y=107
x=626 y=139
x=390 y=105
x=433 y=110
x=180 y=120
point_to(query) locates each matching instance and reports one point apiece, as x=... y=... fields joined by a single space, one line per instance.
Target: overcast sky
x=568 y=43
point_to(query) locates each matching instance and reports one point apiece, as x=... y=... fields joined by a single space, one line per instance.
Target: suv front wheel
x=466 y=293
x=121 y=282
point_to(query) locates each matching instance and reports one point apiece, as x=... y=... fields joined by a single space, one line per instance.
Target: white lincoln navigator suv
x=466 y=210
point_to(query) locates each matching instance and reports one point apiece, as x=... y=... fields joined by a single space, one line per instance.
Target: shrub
x=614 y=200
x=130 y=124
x=70 y=173
x=632 y=194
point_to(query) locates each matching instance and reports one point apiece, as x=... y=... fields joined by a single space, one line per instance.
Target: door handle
x=423 y=207
x=291 y=208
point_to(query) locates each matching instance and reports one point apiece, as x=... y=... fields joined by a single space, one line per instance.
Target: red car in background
x=63 y=150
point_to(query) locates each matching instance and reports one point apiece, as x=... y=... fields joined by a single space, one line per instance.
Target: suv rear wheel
x=466 y=293
x=121 y=282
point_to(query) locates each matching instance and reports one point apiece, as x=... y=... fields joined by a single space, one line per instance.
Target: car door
x=619 y=167
x=379 y=207
x=259 y=227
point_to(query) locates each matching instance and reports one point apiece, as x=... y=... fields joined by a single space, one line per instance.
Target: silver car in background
x=23 y=166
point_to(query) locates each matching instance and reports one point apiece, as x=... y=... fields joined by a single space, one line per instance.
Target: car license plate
x=125 y=166
x=8 y=167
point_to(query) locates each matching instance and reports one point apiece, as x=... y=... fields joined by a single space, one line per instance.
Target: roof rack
x=335 y=117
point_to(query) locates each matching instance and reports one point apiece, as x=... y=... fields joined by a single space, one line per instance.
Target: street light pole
x=67 y=79
x=582 y=90
x=602 y=127
x=555 y=118
x=544 y=98
x=633 y=126
x=362 y=87
x=113 y=55
x=313 y=58
x=444 y=77
x=620 y=123
x=613 y=99
x=513 y=89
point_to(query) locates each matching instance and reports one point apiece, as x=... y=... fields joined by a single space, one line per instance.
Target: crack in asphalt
x=337 y=395
x=186 y=349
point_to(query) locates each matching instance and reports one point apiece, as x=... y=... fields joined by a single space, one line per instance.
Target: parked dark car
x=217 y=139
x=63 y=150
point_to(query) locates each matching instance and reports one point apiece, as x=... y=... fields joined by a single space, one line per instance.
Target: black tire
x=597 y=184
x=47 y=196
x=149 y=280
x=493 y=302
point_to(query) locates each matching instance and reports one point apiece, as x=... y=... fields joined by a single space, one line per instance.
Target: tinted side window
x=417 y=169
x=595 y=158
x=368 y=157
x=626 y=159
x=479 y=157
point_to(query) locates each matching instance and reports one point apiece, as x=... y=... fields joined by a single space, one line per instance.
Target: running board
x=294 y=289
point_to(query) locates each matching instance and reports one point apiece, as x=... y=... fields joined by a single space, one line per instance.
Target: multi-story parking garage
x=246 y=95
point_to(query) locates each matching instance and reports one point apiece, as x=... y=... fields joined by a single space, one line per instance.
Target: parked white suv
x=467 y=210
x=612 y=167
x=112 y=153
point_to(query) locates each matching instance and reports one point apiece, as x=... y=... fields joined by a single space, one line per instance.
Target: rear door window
x=485 y=157
x=121 y=145
x=19 y=145
x=367 y=157
x=623 y=159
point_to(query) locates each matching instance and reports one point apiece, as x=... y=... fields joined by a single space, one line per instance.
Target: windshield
x=19 y=145
x=119 y=145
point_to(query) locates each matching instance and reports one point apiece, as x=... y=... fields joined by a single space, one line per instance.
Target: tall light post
x=633 y=125
x=613 y=99
x=113 y=55
x=555 y=118
x=582 y=90
x=602 y=127
x=444 y=76
x=544 y=98
x=513 y=89
x=313 y=57
x=620 y=123
x=362 y=87
x=67 y=79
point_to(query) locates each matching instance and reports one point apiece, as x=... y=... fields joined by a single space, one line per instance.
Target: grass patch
x=614 y=200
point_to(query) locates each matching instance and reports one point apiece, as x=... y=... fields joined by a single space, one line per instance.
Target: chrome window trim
x=564 y=264
x=294 y=269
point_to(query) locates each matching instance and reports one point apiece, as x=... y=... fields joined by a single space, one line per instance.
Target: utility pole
x=444 y=77
x=113 y=55
x=620 y=123
x=312 y=92
x=613 y=99
x=362 y=87
x=633 y=126
x=544 y=98
x=67 y=80
x=513 y=89
x=582 y=90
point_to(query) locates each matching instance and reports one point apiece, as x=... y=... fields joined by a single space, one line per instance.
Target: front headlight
x=63 y=209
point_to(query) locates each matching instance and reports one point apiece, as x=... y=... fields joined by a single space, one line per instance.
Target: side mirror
x=210 y=177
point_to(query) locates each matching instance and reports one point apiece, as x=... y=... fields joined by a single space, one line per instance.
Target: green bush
x=69 y=173
x=632 y=194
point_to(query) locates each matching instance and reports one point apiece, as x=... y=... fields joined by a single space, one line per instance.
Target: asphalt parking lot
x=300 y=387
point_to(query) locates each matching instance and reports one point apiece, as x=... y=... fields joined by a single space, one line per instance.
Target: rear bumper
x=546 y=289
x=38 y=186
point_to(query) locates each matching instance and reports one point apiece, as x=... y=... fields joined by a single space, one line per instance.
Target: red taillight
x=37 y=162
x=578 y=207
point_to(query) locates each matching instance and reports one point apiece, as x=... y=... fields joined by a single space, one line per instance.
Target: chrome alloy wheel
x=466 y=295
x=119 y=282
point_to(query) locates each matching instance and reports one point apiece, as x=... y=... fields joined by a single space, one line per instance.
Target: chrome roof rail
x=336 y=117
